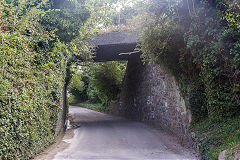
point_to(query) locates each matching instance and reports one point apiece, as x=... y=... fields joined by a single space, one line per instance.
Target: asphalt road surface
x=100 y=136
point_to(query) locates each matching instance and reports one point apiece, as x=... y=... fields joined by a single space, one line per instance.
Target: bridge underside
x=115 y=46
x=116 y=52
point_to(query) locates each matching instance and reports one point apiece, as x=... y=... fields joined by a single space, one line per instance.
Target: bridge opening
x=98 y=84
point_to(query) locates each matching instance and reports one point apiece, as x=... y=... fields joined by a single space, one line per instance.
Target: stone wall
x=152 y=95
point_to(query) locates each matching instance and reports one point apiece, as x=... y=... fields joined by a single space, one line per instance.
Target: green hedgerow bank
x=198 y=41
x=33 y=66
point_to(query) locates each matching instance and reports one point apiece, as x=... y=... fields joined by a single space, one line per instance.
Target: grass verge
x=212 y=138
x=96 y=107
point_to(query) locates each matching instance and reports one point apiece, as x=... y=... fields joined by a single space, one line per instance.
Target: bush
x=105 y=80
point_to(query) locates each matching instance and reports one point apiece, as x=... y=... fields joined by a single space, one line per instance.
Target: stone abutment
x=151 y=94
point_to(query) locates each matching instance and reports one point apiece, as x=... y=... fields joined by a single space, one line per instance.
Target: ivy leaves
x=32 y=73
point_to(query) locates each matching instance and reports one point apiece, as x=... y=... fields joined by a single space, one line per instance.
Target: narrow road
x=101 y=136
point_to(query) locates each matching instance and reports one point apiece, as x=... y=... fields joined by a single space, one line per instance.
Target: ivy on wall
x=33 y=70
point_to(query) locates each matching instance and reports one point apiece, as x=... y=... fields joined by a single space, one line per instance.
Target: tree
x=65 y=18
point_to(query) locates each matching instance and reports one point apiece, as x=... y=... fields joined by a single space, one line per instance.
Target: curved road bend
x=100 y=136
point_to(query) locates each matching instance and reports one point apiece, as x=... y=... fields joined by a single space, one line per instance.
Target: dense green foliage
x=78 y=88
x=104 y=82
x=30 y=93
x=213 y=138
x=93 y=106
x=65 y=18
x=206 y=49
x=33 y=66
x=199 y=44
